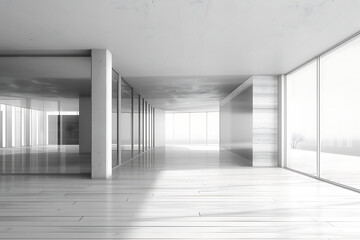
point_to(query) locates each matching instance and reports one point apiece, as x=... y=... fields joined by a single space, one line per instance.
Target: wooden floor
x=178 y=193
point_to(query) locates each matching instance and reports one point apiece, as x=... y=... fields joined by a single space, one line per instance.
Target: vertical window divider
x=132 y=122
x=318 y=106
x=139 y=124
x=285 y=114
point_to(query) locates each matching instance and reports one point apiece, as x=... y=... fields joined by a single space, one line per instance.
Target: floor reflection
x=187 y=157
x=44 y=159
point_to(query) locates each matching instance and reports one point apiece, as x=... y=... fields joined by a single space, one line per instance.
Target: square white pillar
x=101 y=112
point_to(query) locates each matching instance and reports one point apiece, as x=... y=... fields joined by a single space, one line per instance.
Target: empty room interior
x=183 y=119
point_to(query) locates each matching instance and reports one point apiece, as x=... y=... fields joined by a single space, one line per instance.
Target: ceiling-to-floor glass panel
x=151 y=127
x=126 y=121
x=301 y=119
x=115 y=115
x=136 y=126
x=198 y=128
x=40 y=115
x=169 y=128
x=212 y=128
x=340 y=115
x=145 y=126
x=141 y=126
x=148 y=126
x=181 y=128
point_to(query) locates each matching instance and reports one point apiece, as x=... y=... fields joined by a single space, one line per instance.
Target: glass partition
x=141 y=125
x=126 y=121
x=115 y=147
x=137 y=121
x=136 y=125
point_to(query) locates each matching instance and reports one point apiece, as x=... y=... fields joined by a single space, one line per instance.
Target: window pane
x=181 y=128
x=213 y=128
x=115 y=80
x=169 y=128
x=126 y=95
x=301 y=117
x=136 y=126
x=198 y=128
x=340 y=115
x=141 y=129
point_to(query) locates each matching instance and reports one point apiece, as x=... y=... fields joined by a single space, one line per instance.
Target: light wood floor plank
x=175 y=193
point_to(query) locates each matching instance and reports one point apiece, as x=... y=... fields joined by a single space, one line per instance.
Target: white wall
x=249 y=121
x=236 y=122
x=265 y=121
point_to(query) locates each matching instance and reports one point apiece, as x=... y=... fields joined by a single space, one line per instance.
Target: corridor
x=178 y=193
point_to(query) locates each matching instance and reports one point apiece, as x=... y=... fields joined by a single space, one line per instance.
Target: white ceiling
x=153 y=40
x=186 y=93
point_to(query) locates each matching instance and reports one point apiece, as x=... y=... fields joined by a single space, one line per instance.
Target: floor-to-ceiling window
x=141 y=125
x=195 y=128
x=340 y=114
x=41 y=115
x=301 y=116
x=323 y=131
x=136 y=124
x=212 y=128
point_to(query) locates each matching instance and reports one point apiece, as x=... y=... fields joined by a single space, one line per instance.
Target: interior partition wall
x=323 y=130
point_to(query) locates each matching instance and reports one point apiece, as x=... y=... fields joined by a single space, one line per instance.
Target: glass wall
x=212 y=128
x=42 y=114
x=141 y=125
x=45 y=119
x=181 y=128
x=115 y=115
x=340 y=114
x=136 y=118
x=136 y=124
x=201 y=128
x=169 y=128
x=198 y=128
x=301 y=116
x=126 y=121
x=40 y=136
x=329 y=111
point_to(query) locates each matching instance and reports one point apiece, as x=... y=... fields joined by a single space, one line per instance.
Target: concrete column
x=101 y=107
x=85 y=125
